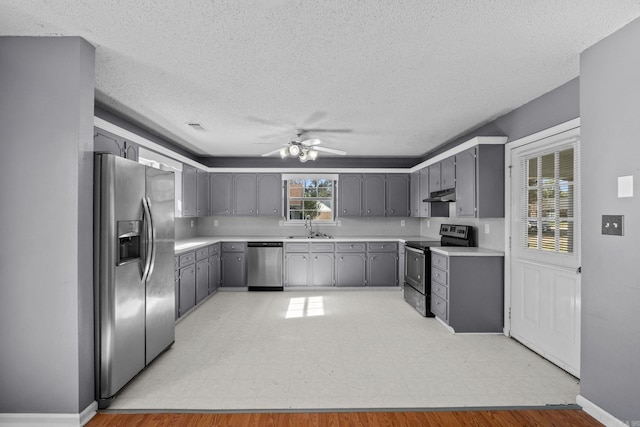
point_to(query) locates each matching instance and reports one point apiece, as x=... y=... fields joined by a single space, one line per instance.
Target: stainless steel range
x=417 y=264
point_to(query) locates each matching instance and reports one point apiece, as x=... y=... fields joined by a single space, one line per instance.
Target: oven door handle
x=407 y=248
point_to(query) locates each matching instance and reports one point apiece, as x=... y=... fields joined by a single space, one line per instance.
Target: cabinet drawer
x=439 y=290
x=202 y=254
x=350 y=247
x=234 y=246
x=322 y=247
x=214 y=249
x=439 y=307
x=176 y=262
x=439 y=276
x=382 y=247
x=440 y=261
x=188 y=258
x=296 y=247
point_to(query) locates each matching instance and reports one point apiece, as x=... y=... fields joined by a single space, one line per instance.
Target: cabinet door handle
x=239 y=259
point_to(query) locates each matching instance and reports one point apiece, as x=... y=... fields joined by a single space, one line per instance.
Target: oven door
x=414 y=266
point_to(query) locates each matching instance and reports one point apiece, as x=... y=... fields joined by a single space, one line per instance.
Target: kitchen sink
x=313 y=236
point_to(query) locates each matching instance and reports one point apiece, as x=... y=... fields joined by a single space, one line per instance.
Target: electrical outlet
x=192 y=223
x=428 y=224
x=402 y=223
x=215 y=222
x=612 y=225
x=487 y=230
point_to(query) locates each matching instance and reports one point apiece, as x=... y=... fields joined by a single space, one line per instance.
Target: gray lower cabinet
x=186 y=283
x=202 y=274
x=176 y=283
x=214 y=268
x=322 y=260
x=467 y=292
x=350 y=264
x=233 y=264
x=296 y=269
x=382 y=264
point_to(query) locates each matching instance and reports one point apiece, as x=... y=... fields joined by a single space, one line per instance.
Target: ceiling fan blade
x=314 y=130
x=330 y=150
x=271 y=153
x=310 y=142
x=271 y=123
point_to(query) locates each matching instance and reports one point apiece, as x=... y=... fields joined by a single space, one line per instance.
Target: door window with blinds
x=550 y=184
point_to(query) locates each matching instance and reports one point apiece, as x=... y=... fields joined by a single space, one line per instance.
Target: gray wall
x=46 y=273
x=610 y=129
x=552 y=108
x=555 y=107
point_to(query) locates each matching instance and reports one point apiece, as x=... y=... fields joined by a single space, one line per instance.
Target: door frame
x=546 y=133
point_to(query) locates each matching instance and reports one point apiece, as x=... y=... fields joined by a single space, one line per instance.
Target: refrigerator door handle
x=149 y=249
x=153 y=238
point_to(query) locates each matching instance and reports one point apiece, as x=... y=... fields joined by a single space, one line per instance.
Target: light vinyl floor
x=336 y=349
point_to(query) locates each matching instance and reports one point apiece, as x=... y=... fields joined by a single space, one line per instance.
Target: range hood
x=448 y=195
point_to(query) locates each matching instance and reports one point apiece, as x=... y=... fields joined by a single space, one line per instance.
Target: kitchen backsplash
x=270 y=227
x=266 y=226
x=492 y=240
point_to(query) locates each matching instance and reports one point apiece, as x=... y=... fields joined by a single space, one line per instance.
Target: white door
x=545 y=248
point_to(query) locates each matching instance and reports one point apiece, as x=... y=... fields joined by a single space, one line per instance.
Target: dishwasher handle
x=264 y=244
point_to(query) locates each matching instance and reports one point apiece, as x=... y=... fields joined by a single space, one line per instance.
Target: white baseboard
x=49 y=420
x=598 y=413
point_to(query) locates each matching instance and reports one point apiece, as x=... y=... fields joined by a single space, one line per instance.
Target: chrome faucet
x=310 y=226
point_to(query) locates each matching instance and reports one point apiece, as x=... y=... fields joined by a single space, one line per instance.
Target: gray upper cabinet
x=350 y=195
x=245 y=192
x=221 y=187
x=397 y=195
x=480 y=182
x=269 y=194
x=434 y=178
x=131 y=150
x=415 y=200
x=466 y=183
x=374 y=195
x=202 y=193
x=448 y=173
x=425 y=207
x=106 y=142
x=189 y=183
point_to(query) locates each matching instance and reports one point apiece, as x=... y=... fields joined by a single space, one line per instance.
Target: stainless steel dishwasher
x=264 y=266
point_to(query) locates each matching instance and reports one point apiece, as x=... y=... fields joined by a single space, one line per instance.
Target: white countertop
x=461 y=251
x=187 y=245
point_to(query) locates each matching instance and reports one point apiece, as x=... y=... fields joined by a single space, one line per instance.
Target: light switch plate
x=612 y=225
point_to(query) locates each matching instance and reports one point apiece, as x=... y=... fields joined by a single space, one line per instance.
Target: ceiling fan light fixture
x=313 y=154
x=284 y=152
x=294 y=150
x=303 y=156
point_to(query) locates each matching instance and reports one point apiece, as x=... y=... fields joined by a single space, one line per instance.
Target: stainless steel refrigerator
x=133 y=271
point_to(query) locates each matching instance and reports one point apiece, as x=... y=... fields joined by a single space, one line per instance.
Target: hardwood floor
x=489 y=418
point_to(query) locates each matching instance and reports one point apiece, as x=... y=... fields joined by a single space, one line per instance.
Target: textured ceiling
x=403 y=76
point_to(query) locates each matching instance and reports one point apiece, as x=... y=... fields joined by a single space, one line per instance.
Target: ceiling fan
x=306 y=149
